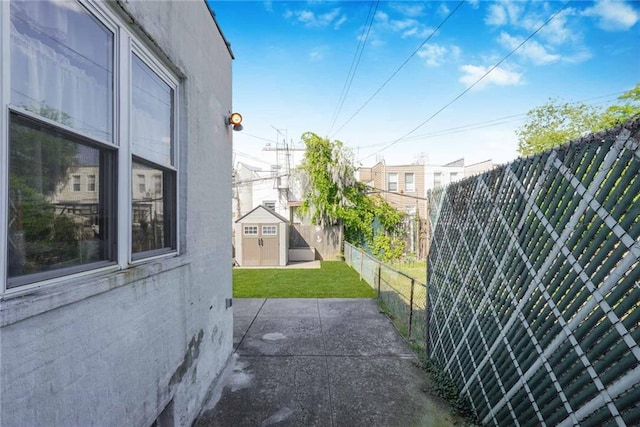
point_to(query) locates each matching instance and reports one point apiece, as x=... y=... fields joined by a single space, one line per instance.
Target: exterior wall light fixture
x=235 y=119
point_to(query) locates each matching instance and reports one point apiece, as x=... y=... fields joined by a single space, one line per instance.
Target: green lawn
x=415 y=269
x=335 y=279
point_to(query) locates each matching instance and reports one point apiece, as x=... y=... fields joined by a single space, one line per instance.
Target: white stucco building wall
x=121 y=345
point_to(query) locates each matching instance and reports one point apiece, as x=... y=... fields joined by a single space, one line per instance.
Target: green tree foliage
x=556 y=123
x=333 y=196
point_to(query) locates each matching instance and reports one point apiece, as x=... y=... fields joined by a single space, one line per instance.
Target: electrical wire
x=474 y=83
x=485 y=124
x=400 y=67
x=355 y=62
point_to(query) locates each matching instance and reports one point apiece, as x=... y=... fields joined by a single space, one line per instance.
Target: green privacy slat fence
x=534 y=284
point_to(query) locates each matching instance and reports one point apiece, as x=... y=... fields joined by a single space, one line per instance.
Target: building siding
x=113 y=348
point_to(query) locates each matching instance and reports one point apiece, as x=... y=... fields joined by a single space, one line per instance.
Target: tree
x=556 y=123
x=333 y=196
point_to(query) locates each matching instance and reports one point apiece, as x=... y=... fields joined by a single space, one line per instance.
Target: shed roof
x=274 y=214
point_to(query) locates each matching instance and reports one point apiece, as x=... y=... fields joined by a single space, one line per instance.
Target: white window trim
x=270 y=227
x=245 y=227
x=4 y=137
x=389 y=181
x=125 y=42
x=406 y=188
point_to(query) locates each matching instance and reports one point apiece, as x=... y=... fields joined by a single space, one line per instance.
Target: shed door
x=250 y=245
x=260 y=244
x=270 y=245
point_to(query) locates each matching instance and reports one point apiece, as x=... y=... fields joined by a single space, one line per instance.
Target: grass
x=415 y=269
x=334 y=279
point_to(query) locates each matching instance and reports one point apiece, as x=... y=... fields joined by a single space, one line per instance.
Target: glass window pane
x=269 y=230
x=153 y=226
x=53 y=224
x=62 y=65
x=392 y=182
x=151 y=115
x=409 y=182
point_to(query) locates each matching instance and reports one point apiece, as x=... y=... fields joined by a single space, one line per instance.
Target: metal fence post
x=379 y=277
x=411 y=306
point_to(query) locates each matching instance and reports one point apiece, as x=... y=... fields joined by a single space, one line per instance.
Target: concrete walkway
x=321 y=362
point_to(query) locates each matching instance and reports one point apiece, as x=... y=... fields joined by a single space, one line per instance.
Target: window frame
x=108 y=200
x=268 y=203
x=172 y=184
x=266 y=230
x=390 y=181
x=126 y=42
x=437 y=182
x=245 y=229
x=413 y=182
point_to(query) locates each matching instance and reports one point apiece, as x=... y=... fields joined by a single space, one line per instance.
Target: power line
x=474 y=83
x=400 y=67
x=259 y=137
x=249 y=156
x=379 y=190
x=486 y=123
x=355 y=62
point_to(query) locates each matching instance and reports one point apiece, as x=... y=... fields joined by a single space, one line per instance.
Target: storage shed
x=262 y=238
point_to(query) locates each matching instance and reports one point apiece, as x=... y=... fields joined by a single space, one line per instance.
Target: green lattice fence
x=534 y=283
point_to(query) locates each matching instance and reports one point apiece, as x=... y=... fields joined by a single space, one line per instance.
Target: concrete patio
x=321 y=362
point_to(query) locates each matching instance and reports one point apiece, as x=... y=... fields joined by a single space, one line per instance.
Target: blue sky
x=293 y=59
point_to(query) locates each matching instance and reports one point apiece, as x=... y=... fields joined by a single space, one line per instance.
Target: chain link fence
x=404 y=296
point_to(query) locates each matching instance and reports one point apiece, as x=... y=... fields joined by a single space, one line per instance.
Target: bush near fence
x=534 y=273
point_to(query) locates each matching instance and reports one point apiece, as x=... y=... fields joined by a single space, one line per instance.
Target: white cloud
x=311 y=19
x=613 y=15
x=503 y=13
x=318 y=53
x=557 y=31
x=474 y=3
x=268 y=5
x=340 y=21
x=408 y=9
x=497 y=77
x=531 y=50
x=407 y=27
x=496 y=16
x=443 y=9
x=435 y=54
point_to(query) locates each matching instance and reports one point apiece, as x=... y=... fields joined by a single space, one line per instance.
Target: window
x=153 y=154
x=51 y=231
x=141 y=185
x=250 y=230
x=269 y=230
x=437 y=179
x=392 y=181
x=91 y=183
x=409 y=182
x=64 y=152
x=157 y=184
x=270 y=204
x=454 y=176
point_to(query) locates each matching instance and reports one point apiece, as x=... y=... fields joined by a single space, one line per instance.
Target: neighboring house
x=405 y=186
x=400 y=185
x=115 y=288
x=441 y=175
x=268 y=180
